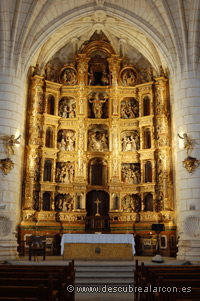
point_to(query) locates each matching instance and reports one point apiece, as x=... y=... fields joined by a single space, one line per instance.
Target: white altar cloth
x=98 y=238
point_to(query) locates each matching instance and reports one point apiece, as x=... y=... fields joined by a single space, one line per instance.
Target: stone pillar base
x=8 y=249
x=189 y=250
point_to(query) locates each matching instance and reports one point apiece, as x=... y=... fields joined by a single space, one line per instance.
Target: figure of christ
x=97 y=202
x=97 y=104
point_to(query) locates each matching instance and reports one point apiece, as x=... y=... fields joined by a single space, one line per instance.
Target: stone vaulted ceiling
x=157 y=32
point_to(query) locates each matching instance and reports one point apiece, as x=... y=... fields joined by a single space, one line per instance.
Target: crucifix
x=97 y=202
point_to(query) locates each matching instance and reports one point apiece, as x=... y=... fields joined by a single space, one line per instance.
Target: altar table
x=98 y=246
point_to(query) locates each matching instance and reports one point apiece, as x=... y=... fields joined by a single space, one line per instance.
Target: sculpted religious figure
x=9 y=142
x=65 y=202
x=91 y=78
x=131 y=203
x=97 y=104
x=67 y=141
x=67 y=108
x=130 y=142
x=129 y=108
x=130 y=174
x=128 y=77
x=104 y=78
x=68 y=76
x=188 y=143
x=97 y=141
x=65 y=173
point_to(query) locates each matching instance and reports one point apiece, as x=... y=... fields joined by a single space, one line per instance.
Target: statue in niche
x=64 y=202
x=97 y=141
x=66 y=140
x=91 y=78
x=130 y=173
x=67 y=108
x=65 y=173
x=9 y=142
x=97 y=104
x=68 y=76
x=52 y=70
x=130 y=142
x=128 y=76
x=129 y=108
x=131 y=203
x=104 y=78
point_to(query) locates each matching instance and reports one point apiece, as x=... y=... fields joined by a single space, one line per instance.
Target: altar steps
x=108 y=273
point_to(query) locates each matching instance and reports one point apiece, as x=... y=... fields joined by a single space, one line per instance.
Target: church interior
x=99 y=104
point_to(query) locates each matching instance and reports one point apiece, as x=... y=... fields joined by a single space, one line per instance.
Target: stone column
x=12 y=117
x=187 y=120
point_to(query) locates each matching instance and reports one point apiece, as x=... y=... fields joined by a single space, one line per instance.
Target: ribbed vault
x=163 y=34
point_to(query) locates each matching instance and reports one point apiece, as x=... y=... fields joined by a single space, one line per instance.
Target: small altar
x=97 y=246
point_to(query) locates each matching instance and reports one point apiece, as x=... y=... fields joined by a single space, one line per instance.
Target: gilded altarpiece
x=97 y=127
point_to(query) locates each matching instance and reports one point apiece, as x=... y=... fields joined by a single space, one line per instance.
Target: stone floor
x=100 y=293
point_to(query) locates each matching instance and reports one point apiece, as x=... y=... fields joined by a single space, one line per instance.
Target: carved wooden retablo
x=98 y=128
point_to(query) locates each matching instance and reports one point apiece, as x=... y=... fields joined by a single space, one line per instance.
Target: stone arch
x=130 y=18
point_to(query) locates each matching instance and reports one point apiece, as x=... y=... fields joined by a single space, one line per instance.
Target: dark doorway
x=95 y=222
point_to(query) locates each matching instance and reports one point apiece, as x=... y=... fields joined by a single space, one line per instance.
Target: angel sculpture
x=9 y=142
x=188 y=143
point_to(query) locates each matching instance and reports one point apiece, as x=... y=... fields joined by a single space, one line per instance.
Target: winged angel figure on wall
x=189 y=163
x=187 y=143
x=9 y=142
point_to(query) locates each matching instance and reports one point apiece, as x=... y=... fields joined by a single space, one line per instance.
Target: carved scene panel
x=98 y=138
x=66 y=140
x=67 y=107
x=64 y=202
x=129 y=108
x=131 y=203
x=65 y=172
x=130 y=141
x=130 y=173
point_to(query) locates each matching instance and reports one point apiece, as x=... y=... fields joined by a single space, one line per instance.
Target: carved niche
x=98 y=138
x=66 y=140
x=129 y=108
x=67 y=107
x=130 y=173
x=130 y=141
